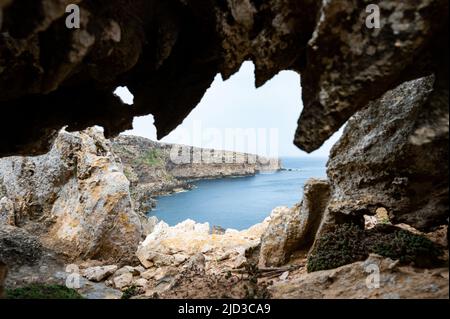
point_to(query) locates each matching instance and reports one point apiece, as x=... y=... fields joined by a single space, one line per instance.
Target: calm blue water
x=239 y=203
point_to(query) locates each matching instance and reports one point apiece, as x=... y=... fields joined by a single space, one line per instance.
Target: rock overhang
x=168 y=53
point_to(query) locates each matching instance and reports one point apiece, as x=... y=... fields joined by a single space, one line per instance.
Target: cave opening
x=235 y=131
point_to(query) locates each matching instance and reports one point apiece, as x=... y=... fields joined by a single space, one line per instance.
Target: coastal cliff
x=157 y=169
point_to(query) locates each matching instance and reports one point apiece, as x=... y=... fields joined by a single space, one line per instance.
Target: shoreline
x=190 y=184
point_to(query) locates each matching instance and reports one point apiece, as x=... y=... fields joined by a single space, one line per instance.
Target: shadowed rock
x=3 y=273
x=381 y=161
x=168 y=53
x=292 y=229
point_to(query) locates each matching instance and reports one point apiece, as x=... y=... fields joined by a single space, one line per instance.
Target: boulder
x=123 y=281
x=99 y=273
x=141 y=282
x=182 y=244
x=295 y=228
x=75 y=198
x=383 y=161
x=18 y=247
x=135 y=271
x=374 y=278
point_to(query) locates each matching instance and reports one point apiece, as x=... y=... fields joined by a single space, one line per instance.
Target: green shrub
x=130 y=292
x=349 y=243
x=334 y=249
x=42 y=291
x=408 y=247
x=152 y=157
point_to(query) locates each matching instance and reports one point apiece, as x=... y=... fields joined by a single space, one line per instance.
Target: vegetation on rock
x=338 y=248
x=42 y=291
x=130 y=292
x=408 y=247
x=152 y=157
x=349 y=243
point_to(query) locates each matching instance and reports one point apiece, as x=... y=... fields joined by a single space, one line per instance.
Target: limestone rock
x=123 y=281
x=99 y=273
x=343 y=65
x=284 y=226
x=7 y=213
x=135 y=271
x=196 y=262
x=141 y=282
x=75 y=199
x=284 y=275
x=294 y=229
x=184 y=243
x=359 y=281
x=18 y=247
x=377 y=164
x=349 y=64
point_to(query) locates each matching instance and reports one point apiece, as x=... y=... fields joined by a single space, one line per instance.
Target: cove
x=240 y=202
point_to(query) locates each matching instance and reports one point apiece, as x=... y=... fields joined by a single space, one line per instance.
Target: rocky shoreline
x=152 y=172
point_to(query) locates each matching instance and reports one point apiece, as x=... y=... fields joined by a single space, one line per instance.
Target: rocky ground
x=189 y=261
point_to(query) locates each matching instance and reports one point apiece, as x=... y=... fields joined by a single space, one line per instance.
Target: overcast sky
x=234 y=106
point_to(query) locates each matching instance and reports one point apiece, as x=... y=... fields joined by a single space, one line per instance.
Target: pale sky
x=269 y=113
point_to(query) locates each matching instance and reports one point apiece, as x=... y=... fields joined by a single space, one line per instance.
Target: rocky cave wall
x=75 y=201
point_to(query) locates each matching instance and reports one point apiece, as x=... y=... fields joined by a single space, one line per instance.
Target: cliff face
x=382 y=160
x=75 y=199
x=151 y=161
x=155 y=168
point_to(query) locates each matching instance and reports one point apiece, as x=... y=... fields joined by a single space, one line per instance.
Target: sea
x=241 y=202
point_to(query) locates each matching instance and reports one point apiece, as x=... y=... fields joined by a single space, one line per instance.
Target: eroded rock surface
x=380 y=163
x=294 y=229
x=18 y=247
x=75 y=199
x=358 y=281
x=173 y=246
x=99 y=273
x=168 y=53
